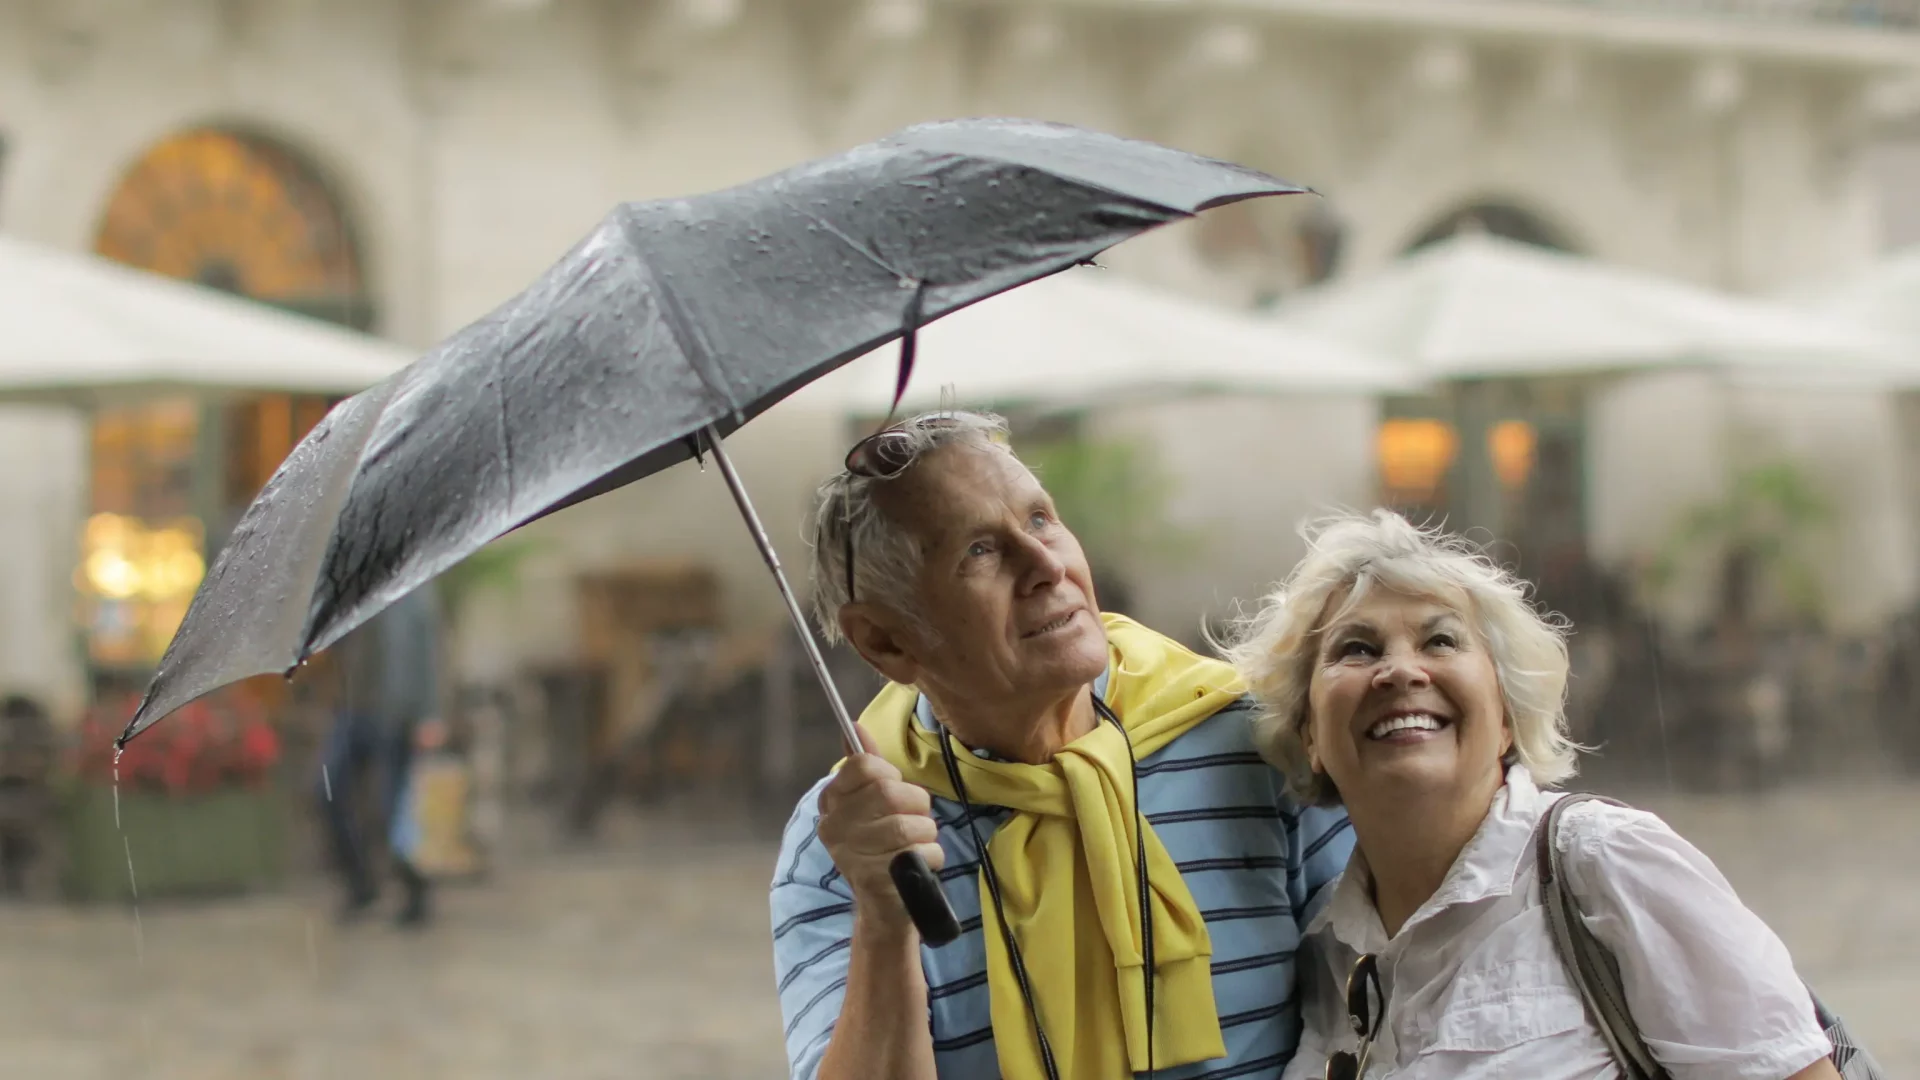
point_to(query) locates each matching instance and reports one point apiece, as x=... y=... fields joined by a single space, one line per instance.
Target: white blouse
x=1475 y=987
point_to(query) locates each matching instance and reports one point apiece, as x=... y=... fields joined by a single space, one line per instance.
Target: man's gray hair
x=886 y=559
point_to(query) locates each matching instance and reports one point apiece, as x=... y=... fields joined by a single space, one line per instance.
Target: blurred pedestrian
x=26 y=797
x=390 y=685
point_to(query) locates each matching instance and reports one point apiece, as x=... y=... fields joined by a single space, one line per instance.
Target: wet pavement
x=647 y=956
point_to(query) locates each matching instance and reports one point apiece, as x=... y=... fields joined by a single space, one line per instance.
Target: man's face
x=1003 y=584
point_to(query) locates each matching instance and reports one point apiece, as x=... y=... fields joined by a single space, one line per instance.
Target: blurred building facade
x=404 y=165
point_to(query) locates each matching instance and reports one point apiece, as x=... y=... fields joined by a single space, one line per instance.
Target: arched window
x=1498 y=219
x=239 y=213
x=246 y=215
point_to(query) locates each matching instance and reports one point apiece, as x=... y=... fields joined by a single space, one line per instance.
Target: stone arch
x=234 y=208
x=1504 y=217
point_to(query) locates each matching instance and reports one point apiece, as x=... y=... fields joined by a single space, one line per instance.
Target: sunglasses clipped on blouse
x=1363 y=990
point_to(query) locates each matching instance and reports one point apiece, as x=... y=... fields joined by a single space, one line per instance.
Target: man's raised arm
x=852 y=992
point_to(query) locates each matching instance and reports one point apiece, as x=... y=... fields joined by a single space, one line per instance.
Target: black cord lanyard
x=993 y=888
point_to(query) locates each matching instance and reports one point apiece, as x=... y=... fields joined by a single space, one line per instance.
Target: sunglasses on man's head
x=888 y=452
x=1363 y=988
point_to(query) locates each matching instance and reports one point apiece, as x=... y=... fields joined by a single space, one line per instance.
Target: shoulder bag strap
x=1597 y=974
x=1592 y=966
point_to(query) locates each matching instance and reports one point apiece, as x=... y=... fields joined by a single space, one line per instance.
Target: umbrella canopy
x=74 y=328
x=669 y=326
x=1091 y=336
x=1475 y=306
x=1884 y=298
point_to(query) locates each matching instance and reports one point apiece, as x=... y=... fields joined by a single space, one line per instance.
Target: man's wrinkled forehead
x=958 y=489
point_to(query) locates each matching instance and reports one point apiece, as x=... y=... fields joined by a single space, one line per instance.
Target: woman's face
x=1404 y=700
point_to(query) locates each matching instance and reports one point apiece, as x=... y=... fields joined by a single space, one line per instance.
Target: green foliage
x=1113 y=494
x=1772 y=516
x=496 y=566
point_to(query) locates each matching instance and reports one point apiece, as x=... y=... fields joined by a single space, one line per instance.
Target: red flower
x=213 y=743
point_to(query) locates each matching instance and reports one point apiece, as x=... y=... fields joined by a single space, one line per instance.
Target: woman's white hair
x=1274 y=647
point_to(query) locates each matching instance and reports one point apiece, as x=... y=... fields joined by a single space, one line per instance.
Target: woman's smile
x=1407 y=727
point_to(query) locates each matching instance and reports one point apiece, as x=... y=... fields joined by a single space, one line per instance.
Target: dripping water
x=126 y=845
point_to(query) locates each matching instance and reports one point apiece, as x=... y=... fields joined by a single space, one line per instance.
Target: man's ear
x=880 y=642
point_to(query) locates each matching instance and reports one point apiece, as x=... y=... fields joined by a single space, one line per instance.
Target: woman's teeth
x=1408 y=722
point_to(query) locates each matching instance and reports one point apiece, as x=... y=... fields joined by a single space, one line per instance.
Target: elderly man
x=1110 y=768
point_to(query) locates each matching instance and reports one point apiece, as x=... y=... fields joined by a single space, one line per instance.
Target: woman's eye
x=1444 y=641
x=979 y=548
x=1354 y=648
x=1039 y=520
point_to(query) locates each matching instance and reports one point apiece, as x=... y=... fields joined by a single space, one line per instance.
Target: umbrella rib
x=506 y=441
x=686 y=337
x=856 y=245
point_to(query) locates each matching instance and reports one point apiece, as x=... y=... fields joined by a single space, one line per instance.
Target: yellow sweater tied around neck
x=1071 y=841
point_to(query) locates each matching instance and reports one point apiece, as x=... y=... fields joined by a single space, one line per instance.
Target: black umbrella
x=667 y=328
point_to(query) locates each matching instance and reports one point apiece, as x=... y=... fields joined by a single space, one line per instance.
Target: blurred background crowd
x=1626 y=289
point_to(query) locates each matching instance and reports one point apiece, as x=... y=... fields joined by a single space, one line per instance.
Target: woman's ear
x=1306 y=743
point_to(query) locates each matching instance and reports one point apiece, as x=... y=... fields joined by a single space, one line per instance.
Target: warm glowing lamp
x=1511 y=444
x=1415 y=455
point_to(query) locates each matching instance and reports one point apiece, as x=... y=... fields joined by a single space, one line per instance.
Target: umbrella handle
x=917 y=884
x=926 y=902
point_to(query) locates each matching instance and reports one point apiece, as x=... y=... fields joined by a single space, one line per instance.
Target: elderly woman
x=1407 y=678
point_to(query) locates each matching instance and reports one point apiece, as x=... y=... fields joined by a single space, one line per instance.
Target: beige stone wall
x=1247 y=472
x=41 y=490
x=1662 y=444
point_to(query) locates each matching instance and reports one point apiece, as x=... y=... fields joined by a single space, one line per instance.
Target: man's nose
x=1044 y=567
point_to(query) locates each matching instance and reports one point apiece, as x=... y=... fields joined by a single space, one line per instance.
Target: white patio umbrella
x=1885 y=298
x=1088 y=337
x=75 y=328
x=1479 y=306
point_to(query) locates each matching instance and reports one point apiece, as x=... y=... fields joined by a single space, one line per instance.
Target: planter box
x=199 y=845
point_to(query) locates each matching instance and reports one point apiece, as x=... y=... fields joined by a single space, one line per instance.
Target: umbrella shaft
x=739 y=490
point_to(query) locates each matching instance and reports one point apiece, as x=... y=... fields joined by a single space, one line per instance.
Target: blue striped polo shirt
x=1256 y=864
